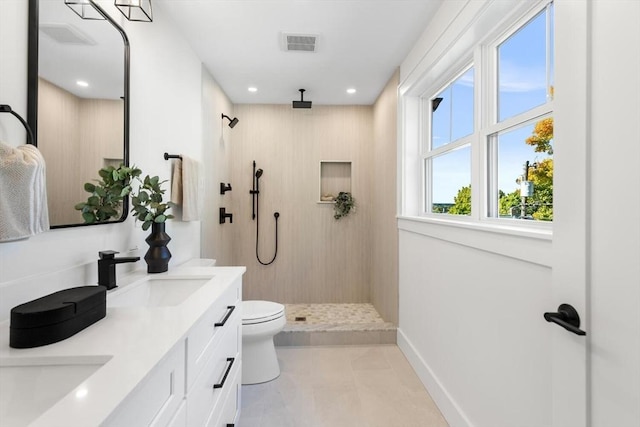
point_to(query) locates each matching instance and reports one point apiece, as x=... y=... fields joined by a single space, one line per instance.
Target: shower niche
x=335 y=176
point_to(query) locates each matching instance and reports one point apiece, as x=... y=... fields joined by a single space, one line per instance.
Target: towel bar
x=4 y=108
x=168 y=156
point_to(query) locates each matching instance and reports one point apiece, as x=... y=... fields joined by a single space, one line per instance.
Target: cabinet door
x=159 y=396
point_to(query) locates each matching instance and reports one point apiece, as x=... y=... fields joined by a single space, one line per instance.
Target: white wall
x=471 y=300
x=217 y=239
x=466 y=295
x=465 y=326
x=165 y=116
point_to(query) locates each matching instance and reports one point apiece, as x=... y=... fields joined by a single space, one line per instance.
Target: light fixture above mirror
x=135 y=10
x=85 y=9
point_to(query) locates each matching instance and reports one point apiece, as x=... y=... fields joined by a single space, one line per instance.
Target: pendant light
x=135 y=10
x=85 y=9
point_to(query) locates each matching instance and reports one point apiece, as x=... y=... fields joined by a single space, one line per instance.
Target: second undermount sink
x=30 y=386
x=163 y=291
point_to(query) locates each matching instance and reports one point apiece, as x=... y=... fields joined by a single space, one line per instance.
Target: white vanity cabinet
x=198 y=382
x=214 y=360
x=203 y=339
x=174 y=364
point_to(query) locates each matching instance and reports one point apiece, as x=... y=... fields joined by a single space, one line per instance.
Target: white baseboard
x=451 y=411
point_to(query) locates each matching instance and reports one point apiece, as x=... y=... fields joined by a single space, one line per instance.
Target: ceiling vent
x=66 y=34
x=299 y=42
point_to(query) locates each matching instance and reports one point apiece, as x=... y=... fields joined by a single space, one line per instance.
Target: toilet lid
x=260 y=311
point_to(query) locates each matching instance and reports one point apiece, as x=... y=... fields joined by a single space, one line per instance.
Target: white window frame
x=482 y=56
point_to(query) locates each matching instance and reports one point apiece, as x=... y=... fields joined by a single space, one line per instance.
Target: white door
x=614 y=173
x=570 y=223
x=596 y=378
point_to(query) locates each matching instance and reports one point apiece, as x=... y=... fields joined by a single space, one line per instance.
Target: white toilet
x=261 y=320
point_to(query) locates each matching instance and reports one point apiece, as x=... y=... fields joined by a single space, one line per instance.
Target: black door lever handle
x=567 y=317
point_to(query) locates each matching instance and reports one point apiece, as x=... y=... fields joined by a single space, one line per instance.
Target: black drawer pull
x=226 y=374
x=230 y=308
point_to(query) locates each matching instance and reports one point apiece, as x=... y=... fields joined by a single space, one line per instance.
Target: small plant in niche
x=147 y=204
x=107 y=195
x=344 y=204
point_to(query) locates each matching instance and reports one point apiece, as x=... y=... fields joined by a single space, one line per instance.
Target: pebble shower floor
x=334 y=324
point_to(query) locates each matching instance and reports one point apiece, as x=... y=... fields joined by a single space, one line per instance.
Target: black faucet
x=107 y=267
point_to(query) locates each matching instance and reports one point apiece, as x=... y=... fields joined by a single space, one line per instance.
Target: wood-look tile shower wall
x=319 y=259
x=384 y=244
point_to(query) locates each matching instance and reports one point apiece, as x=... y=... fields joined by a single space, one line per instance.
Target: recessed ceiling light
x=82 y=83
x=252 y=89
x=351 y=91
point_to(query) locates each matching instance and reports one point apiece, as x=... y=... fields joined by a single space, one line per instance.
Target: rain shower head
x=302 y=103
x=258 y=173
x=232 y=122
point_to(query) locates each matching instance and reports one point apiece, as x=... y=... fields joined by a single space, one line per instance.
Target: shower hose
x=276 y=215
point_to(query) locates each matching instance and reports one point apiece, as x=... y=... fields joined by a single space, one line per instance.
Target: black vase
x=158 y=255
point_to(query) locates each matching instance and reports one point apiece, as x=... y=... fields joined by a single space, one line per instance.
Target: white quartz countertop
x=129 y=342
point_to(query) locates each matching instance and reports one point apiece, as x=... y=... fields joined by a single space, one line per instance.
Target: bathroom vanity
x=168 y=353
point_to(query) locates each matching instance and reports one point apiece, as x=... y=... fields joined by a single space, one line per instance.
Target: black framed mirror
x=78 y=101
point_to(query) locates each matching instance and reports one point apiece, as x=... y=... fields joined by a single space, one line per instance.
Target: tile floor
x=355 y=386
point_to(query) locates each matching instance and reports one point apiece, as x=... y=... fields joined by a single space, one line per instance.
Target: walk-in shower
x=255 y=215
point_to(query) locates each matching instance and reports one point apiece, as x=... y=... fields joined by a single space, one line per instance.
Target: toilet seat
x=255 y=312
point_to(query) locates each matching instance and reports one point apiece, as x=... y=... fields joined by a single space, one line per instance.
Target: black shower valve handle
x=224 y=215
x=224 y=187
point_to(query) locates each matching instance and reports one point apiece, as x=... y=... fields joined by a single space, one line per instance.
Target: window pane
x=452 y=111
x=523 y=68
x=441 y=119
x=462 y=111
x=451 y=178
x=532 y=143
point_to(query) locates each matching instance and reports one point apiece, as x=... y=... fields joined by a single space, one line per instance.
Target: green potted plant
x=106 y=201
x=344 y=204
x=107 y=194
x=149 y=208
x=148 y=205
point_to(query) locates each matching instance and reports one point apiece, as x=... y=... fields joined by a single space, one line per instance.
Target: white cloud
x=516 y=78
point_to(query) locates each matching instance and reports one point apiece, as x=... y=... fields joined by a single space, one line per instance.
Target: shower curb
x=289 y=338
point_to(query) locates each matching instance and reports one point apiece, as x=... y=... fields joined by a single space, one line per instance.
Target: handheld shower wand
x=256 y=189
x=255 y=193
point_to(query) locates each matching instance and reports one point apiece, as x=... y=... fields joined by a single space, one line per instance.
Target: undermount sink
x=164 y=291
x=30 y=386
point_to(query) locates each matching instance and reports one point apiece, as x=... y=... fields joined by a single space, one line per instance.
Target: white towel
x=23 y=192
x=176 y=182
x=192 y=189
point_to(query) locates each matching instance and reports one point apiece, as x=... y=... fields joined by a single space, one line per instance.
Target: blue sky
x=523 y=83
